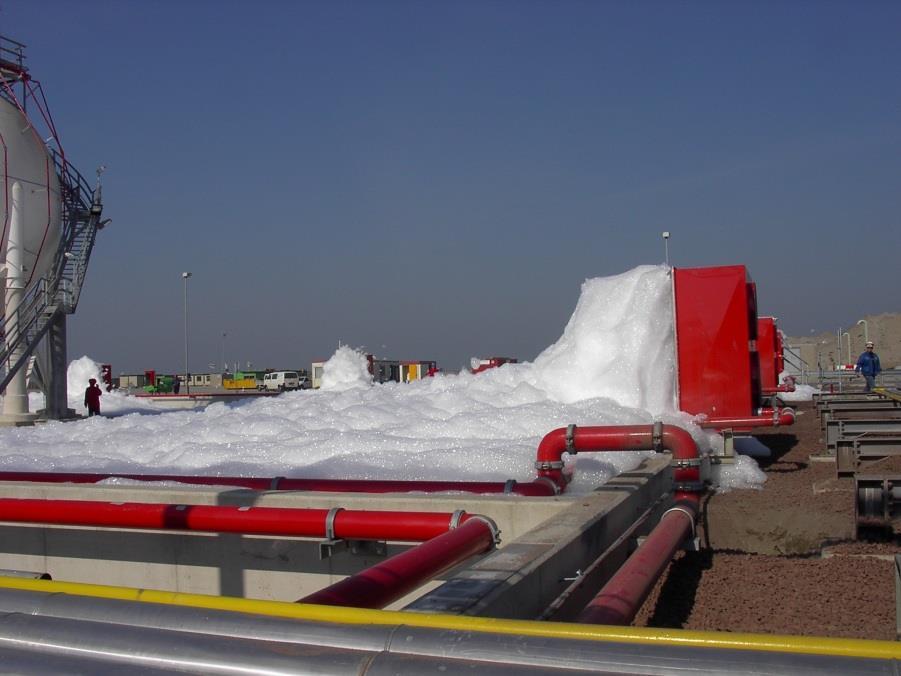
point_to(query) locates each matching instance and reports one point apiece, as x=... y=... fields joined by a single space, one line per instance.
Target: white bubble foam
x=614 y=364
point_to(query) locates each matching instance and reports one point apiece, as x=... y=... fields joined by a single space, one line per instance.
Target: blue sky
x=435 y=180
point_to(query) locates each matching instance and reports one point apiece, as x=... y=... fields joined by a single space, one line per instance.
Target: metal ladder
x=59 y=289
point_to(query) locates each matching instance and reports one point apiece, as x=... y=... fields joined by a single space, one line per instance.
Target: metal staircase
x=56 y=293
x=59 y=289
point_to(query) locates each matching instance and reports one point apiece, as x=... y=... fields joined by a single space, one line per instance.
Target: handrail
x=59 y=289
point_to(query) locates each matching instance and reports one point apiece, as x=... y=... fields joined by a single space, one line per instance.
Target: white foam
x=614 y=364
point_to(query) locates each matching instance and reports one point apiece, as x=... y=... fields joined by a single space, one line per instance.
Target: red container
x=716 y=330
x=769 y=352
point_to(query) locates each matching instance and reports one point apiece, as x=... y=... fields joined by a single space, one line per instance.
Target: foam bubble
x=614 y=364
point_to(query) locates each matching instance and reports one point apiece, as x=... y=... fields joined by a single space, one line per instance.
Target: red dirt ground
x=781 y=560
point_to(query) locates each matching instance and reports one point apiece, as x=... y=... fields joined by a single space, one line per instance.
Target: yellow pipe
x=837 y=647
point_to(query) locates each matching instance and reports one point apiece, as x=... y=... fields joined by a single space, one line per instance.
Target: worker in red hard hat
x=92 y=395
x=868 y=366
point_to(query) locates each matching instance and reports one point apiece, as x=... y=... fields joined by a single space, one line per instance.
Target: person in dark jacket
x=868 y=366
x=92 y=395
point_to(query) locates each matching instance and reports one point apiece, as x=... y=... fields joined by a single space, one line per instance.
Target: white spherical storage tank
x=25 y=159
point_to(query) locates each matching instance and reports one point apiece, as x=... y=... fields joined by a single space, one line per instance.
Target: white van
x=281 y=381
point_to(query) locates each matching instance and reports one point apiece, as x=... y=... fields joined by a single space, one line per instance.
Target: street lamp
x=848 y=336
x=666 y=245
x=185 y=276
x=866 y=332
x=224 y=366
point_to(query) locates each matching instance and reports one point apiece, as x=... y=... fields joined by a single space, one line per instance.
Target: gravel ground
x=781 y=560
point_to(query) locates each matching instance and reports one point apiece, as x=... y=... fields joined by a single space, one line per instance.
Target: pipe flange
x=509 y=485
x=330 y=523
x=571 y=439
x=691 y=517
x=273 y=485
x=549 y=464
x=657 y=436
x=455 y=518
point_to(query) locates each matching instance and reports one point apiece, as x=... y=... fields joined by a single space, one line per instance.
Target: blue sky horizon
x=432 y=180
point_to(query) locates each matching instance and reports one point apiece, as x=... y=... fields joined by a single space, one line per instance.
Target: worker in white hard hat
x=868 y=366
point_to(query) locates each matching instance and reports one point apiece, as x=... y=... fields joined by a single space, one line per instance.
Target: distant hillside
x=884 y=330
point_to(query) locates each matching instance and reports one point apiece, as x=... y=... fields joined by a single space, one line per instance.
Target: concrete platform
x=544 y=542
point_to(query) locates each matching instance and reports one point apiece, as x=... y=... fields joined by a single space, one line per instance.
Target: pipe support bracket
x=691 y=517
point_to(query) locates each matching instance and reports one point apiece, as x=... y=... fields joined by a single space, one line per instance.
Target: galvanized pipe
x=386 y=582
x=399 y=646
x=533 y=488
x=337 y=523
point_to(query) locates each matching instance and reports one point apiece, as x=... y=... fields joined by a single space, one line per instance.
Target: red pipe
x=622 y=597
x=347 y=524
x=384 y=583
x=574 y=439
x=768 y=417
x=533 y=488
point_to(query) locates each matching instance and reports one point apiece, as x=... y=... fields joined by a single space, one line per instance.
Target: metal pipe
x=643 y=638
x=532 y=488
x=622 y=597
x=42 y=645
x=386 y=582
x=768 y=417
x=658 y=436
x=345 y=523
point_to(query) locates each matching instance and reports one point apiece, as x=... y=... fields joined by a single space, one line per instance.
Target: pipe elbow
x=680 y=442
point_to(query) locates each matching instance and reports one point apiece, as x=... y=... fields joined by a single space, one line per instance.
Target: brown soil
x=782 y=560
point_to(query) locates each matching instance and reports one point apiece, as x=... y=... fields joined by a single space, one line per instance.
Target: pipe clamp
x=550 y=483
x=273 y=485
x=571 y=439
x=691 y=517
x=548 y=464
x=330 y=523
x=495 y=531
x=657 y=436
x=685 y=463
x=509 y=485
x=690 y=486
x=455 y=518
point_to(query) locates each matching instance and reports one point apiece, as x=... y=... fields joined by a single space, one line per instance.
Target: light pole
x=848 y=336
x=224 y=365
x=185 y=276
x=866 y=332
x=666 y=245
